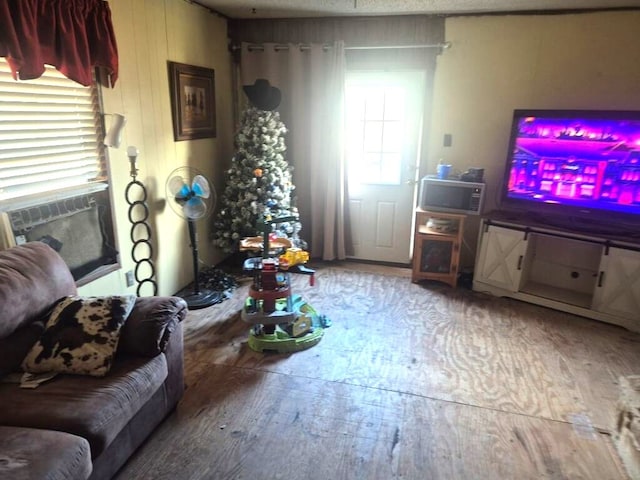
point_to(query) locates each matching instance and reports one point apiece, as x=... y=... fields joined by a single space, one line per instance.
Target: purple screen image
x=582 y=162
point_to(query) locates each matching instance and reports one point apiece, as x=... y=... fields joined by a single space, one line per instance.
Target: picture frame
x=193 y=105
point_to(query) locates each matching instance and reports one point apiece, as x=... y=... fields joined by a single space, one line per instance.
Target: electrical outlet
x=129 y=277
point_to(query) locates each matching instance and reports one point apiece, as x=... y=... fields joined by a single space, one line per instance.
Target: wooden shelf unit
x=436 y=252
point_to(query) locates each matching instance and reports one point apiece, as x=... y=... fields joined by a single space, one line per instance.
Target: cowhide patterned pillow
x=81 y=336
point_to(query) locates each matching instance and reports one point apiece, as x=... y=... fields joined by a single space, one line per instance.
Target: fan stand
x=197 y=298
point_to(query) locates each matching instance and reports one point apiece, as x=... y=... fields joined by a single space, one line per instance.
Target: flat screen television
x=576 y=166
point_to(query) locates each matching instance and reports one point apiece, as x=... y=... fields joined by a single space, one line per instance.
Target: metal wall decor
x=142 y=249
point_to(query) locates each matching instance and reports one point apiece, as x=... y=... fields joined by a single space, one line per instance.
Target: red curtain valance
x=72 y=35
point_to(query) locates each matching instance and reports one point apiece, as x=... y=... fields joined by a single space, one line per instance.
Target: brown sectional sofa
x=78 y=426
x=21 y=455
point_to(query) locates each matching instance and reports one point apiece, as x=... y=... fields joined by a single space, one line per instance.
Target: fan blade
x=194 y=208
x=184 y=192
x=178 y=187
x=200 y=186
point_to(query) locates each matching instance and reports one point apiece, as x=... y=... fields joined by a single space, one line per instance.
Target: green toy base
x=281 y=342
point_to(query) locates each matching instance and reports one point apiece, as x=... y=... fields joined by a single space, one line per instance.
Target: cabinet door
x=501 y=258
x=618 y=288
x=436 y=255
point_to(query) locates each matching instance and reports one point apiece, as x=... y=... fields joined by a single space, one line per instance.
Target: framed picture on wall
x=193 y=104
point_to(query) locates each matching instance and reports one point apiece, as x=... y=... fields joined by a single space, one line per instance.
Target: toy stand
x=282 y=322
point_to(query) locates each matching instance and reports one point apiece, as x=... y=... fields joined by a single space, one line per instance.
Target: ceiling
x=246 y=9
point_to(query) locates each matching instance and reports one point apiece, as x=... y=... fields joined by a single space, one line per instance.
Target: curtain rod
x=306 y=46
x=443 y=45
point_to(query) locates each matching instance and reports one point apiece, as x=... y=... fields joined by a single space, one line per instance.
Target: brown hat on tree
x=262 y=95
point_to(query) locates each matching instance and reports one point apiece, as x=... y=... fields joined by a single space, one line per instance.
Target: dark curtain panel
x=72 y=35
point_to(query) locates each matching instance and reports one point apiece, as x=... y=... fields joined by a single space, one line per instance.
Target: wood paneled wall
x=354 y=31
x=150 y=33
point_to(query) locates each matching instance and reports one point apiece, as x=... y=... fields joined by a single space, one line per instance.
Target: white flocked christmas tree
x=258 y=183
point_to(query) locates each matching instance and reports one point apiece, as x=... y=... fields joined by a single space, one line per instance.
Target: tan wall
x=149 y=33
x=499 y=63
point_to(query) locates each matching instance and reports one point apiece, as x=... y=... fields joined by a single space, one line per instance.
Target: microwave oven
x=454 y=196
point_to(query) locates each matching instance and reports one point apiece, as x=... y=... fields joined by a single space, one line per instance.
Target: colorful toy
x=282 y=322
x=292 y=257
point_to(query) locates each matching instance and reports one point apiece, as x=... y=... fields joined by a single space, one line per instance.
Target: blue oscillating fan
x=192 y=197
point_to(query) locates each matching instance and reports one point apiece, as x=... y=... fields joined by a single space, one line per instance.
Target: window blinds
x=50 y=136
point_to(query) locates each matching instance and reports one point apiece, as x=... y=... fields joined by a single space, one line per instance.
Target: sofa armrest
x=150 y=324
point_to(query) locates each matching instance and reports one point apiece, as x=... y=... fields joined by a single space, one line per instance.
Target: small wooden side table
x=437 y=244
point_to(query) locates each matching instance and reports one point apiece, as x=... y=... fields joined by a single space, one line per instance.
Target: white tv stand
x=595 y=276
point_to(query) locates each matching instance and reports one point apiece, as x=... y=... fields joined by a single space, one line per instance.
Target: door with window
x=383 y=125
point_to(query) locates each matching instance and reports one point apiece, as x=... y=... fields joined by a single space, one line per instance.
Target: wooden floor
x=412 y=381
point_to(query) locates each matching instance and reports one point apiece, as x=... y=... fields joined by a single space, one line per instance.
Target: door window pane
x=375 y=126
x=372 y=137
x=392 y=137
x=394 y=104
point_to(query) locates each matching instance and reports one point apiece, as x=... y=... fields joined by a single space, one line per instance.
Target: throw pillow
x=81 y=336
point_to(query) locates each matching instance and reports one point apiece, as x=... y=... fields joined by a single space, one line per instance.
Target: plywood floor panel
x=478 y=350
x=269 y=425
x=411 y=381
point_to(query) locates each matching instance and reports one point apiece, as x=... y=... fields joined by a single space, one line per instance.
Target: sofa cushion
x=81 y=336
x=29 y=453
x=95 y=408
x=150 y=325
x=32 y=277
x=16 y=346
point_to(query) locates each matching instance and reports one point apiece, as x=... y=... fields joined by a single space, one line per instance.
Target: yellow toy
x=292 y=257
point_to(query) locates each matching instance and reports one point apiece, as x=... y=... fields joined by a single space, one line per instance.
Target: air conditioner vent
x=25 y=219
